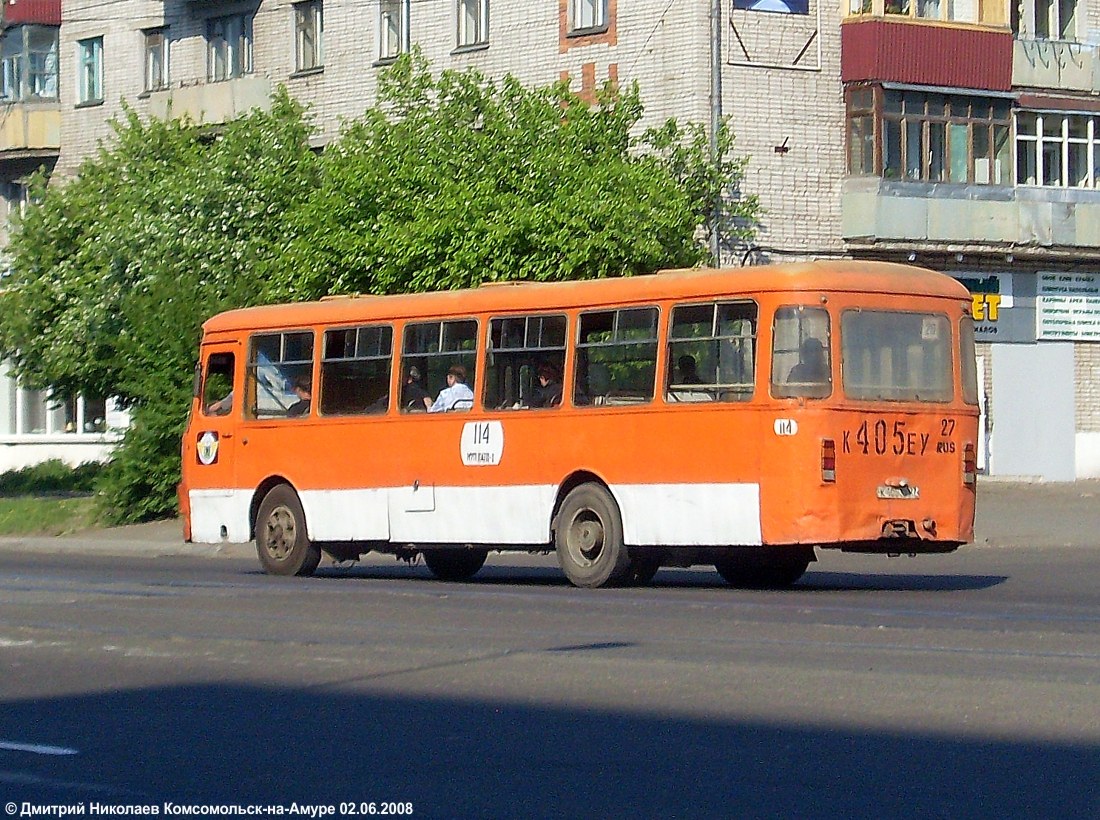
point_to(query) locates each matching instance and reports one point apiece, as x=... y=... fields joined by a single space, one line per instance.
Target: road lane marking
x=35 y=749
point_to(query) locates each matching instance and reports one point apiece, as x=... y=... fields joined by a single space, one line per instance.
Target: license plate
x=908 y=491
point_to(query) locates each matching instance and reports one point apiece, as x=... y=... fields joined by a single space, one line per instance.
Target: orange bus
x=739 y=418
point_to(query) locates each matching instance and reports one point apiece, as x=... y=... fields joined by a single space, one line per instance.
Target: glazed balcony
x=30 y=128
x=212 y=103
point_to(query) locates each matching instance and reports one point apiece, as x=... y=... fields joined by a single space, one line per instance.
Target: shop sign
x=1067 y=306
x=998 y=315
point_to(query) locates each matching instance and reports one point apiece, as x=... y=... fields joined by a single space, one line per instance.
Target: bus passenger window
x=711 y=352
x=800 y=353
x=279 y=379
x=355 y=371
x=896 y=356
x=217 y=386
x=525 y=362
x=433 y=351
x=616 y=357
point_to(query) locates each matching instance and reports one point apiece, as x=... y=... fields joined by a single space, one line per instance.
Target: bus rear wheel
x=589 y=538
x=281 y=540
x=764 y=567
x=455 y=564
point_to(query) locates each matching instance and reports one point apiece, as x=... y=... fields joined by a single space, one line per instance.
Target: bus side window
x=711 y=352
x=801 y=353
x=430 y=350
x=616 y=357
x=525 y=362
x=279 y=379
x=217 y=385
x=355 y=370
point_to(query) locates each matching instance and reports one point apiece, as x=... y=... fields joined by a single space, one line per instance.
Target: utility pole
x=715 y=118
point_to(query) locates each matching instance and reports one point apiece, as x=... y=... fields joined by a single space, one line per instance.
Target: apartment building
x=33 y=426
x=962 y=135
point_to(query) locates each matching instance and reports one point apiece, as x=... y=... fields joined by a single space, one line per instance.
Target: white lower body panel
x=653 y=514
x=690 y=515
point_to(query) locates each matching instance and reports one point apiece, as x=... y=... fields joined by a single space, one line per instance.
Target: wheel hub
x=282 y=532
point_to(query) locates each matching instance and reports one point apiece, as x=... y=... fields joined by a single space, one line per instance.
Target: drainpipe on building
x=715 y=119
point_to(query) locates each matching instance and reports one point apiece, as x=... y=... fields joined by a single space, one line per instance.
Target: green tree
x=445 y=183
x=453 y=181
x=116 y=269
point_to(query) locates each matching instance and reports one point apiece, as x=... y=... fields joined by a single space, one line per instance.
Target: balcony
x=212 y=103
x=884 y=211
x=1056 y=64
x=30 y=128
x=925 y=54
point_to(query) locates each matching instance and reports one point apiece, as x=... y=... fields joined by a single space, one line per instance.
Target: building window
x=1057 y=150
x=156 y=59
x=230 y=40
x=90 y=71
x=587 y=15
x=29 y=63
x=393 y=28
x=955 y=11
x=473 y=22
x=1049 y=19
x=309 y=27
x=917 y=137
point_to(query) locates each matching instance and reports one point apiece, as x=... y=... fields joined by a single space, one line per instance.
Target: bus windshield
x=893 y=356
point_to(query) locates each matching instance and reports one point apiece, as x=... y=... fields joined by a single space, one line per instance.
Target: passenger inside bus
x=414 y=398
x=689 y=374
x=456 y=395
x=302 y=387
x=812 y=367
x=548 y=393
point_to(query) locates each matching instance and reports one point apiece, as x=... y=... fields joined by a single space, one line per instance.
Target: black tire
x=455 y=564
x=281 y=540
x=589 y=538
x=764 y=567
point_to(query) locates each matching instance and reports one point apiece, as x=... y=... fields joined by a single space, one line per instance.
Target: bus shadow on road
x=549 y=576
x=467 y=757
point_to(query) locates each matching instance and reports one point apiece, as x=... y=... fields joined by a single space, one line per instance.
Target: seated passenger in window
x=812 y=368
x=687 y=370
x=456 y=391
x=548 y=393
x=302 y=388
x=414 y=398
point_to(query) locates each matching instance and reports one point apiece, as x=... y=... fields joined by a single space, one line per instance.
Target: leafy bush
x=53 y=476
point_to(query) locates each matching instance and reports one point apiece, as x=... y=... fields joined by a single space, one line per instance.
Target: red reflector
x=970 y=464
x=828 y=460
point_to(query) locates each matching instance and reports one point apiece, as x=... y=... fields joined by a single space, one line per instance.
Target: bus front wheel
x=281 y=540
x=589 y=538
x=764 y=567
x=455 y=564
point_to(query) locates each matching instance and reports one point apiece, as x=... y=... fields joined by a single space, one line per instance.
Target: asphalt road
x=956 y=685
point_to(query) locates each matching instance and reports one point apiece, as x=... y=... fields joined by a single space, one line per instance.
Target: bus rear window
x=894 y=356
x=800 y=353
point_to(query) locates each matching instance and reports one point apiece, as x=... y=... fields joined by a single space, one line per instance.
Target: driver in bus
x=455 y=391
x=812 y=367
x=302 y=389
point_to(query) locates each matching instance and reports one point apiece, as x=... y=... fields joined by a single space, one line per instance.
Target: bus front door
x=213 y=499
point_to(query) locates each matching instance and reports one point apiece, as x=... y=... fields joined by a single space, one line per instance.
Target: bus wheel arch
x=282 y=539
x=588 y=535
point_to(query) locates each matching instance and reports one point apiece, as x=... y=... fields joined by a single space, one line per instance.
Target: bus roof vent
x=506 y=283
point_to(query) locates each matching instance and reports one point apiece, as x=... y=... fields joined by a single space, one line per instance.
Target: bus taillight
x=970 y=464
x=828 y=460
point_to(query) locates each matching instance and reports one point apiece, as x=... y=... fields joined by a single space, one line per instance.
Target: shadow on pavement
x=239 y=745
